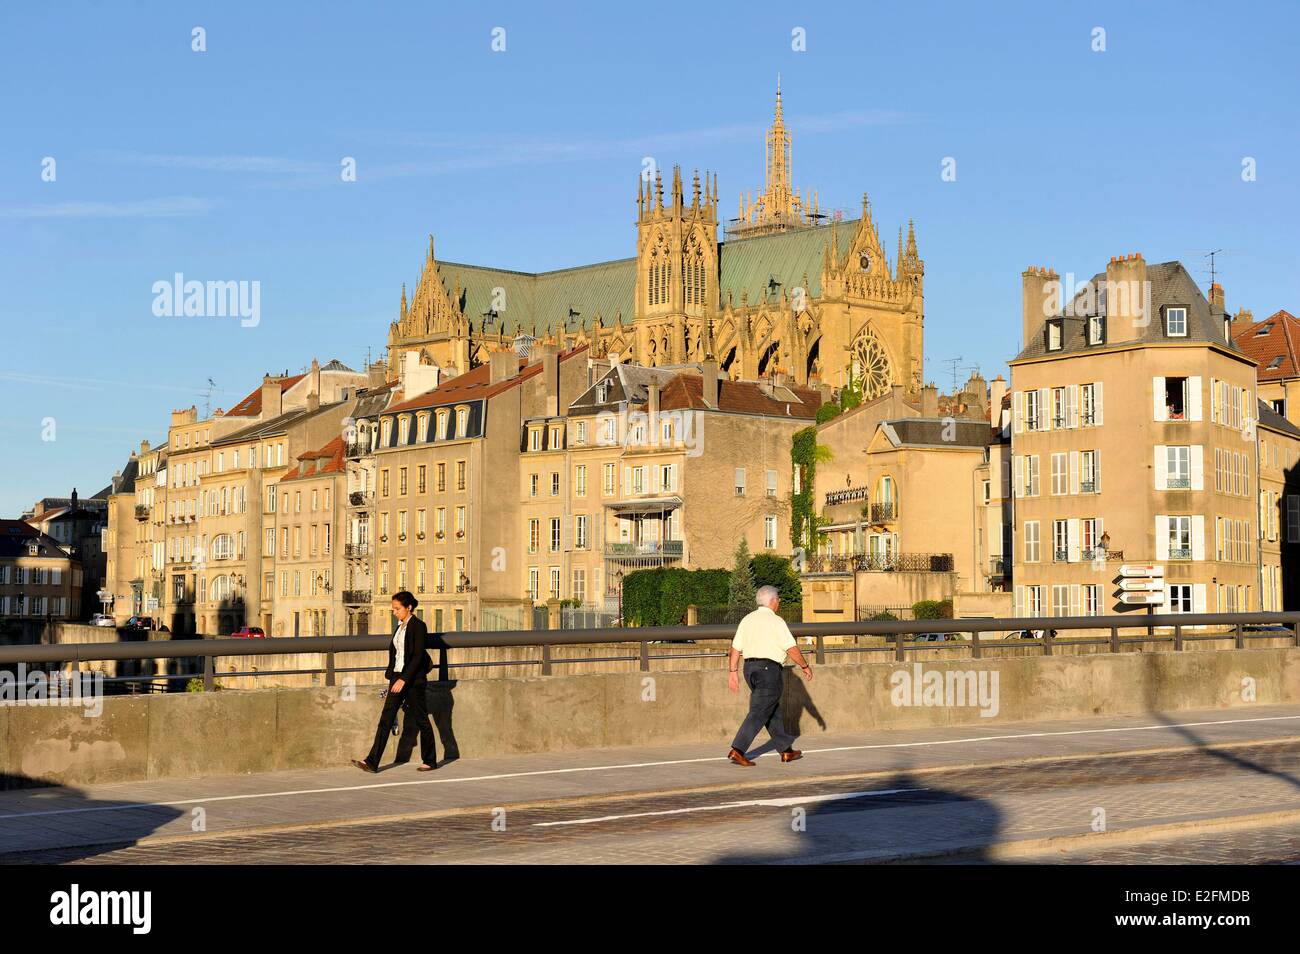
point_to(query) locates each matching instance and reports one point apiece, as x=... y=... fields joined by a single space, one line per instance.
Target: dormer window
x=1055 y=334
x=602 y=392
x=442 y=425
x=534 y=438
x=1176 y=322
x=462 y=422
x=1096 y=330
x=422 y=431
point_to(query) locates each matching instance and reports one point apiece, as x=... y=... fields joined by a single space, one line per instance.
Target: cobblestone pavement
x=975 y=811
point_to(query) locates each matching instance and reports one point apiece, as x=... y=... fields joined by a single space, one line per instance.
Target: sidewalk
x=152 y=812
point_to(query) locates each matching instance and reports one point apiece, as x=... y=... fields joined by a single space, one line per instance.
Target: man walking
x=764 y=641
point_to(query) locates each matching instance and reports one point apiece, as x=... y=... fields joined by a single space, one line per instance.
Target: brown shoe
x=364 y=766
x=791 y=755
x=425 y=767
x=739 y=758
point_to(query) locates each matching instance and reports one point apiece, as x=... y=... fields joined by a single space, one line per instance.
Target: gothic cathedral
x=789 y=288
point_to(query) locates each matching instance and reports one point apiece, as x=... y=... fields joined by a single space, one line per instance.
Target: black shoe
x=365 y=766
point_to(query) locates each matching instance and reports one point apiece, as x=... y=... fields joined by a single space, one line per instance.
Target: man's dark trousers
x=766 y=680
x=414 y=694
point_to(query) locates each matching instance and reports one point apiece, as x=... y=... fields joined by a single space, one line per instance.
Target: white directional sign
x=1148 y=599
x=1142 y=586
x=1141 y=569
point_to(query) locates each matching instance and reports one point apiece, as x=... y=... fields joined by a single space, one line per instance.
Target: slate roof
x=475 y=385
x=1271 y=419
x=1170 y=285
x=933 y=432
x=539 y=302
x=251 y=406
x=330 y=456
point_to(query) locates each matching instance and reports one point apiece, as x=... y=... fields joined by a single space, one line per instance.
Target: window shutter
x=1198 y=597
x=1194 y=398
x=1198 y=537
x=1074 y=599
x=1198 y=467
x=1214 y=400
x=1020 y=601
x=1072 y=406
x=1044 y=409
x=1096 y=403
x=1018 y=411
x=1161 y=409
x=1074 y=472
x=1162 y=537
x=1072 y=540
x=1019 y=489
x=1160 y=467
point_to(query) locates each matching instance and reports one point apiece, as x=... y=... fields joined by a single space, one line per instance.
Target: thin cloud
x=274 y=165
x=82 y=383
x=163 y=208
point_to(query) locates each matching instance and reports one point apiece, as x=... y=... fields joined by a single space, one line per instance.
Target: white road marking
x=635 y=765
x=754 y=803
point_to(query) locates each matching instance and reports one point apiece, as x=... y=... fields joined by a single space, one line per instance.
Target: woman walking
x=407 y=673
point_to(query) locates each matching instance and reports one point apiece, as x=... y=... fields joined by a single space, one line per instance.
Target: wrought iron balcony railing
x=666 y=548
x=879 y=563
x=882 y=512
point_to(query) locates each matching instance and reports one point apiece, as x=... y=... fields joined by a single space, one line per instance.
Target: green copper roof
x=539 y=303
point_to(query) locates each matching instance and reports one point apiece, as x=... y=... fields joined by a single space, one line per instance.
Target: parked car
x=1029 y=634
x=140 y=622
x=936 y=637
x=1280 y=628
x=102 y=619
x=249 y=632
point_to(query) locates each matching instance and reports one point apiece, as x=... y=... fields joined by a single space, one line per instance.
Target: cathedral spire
x=780 y=207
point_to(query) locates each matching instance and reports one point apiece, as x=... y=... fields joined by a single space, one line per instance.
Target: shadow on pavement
x=908 y=817
x=1227 y=756
x=48 y=814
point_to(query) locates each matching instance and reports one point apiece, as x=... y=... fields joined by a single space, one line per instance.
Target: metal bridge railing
x=1178 y=629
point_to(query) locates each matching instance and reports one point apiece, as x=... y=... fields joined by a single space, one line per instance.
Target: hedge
x=659 y=597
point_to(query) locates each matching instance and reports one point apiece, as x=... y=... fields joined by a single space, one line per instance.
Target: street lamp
x=619 y=576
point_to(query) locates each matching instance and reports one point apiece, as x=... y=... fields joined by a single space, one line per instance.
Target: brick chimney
x=929 y=401
x=314 y=382
x=272 y=398
x=1128 y=299
x=997 y=391
x=1040 y=300
x=548 y=354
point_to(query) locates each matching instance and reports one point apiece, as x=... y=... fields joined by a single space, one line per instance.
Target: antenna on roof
x=955 y=370
x=207 y=397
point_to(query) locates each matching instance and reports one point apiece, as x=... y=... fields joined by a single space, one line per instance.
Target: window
x=1091 y=599
x=1178 y=468
x=1060 y=474
x=532 y=583
x=401 y=482
x=383 y=482
x=555 y=534
x=1089 y=473
x=638 y=480
x=607 y=479
x=740 y=481
x=1090 y=404
x=580 y=531
x=1176 y=398
x=1031 y=475
x=421 y=483
x=1176 y=322
x=1032 y=554
x=460 y=475
x=535 y=439
x=462 y=424
x=555 y=484
x=580 y=432
x=580 y=480
x=1096 y=330
x=532 y=485
x=555 y=583
x=534 y=535
x=1180 y=538
x=771 y=483
x=442 y=477
x=668 y=477
x=769 y=532
x=1033 y=601
x=1180 y=598
x=442 y=425
x=1060 y=415
x=1032 y=409
x=579 y=585
x=1055 y=336
x=1060 y=541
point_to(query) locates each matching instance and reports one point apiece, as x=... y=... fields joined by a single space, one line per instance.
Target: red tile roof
x=686 y=391
x=475 y=384
x=251 y=406
x=1272 y=343
x=332 y=453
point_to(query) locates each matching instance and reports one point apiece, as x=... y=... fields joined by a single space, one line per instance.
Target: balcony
x=1178 y=483
x=999 y=567
x=668 y=548
x=361 y=498
x=1087 y=486
x=358 y=450
x=884 y=512
x=356 y=597
x=356 y=551
x=141 y=512
x=879 y=563
x=1060 y=556
x=1180 y=553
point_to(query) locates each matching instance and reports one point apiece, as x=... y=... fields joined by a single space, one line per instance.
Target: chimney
x=709 y=373
x=653 y=410
x=997 y=391
x=144 y=448
x=504 y=365
x=377 y=374
x=313 y=401
x=1128 y=298
x=1244 y=318
x=929 y=401
x=272 y=398
x=1040 y=300
x=549 y=356
x=314 y=384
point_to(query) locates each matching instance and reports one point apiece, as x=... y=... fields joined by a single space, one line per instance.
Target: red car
x=249 y=632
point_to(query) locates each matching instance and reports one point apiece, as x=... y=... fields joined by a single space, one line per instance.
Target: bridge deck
x=1211 y=785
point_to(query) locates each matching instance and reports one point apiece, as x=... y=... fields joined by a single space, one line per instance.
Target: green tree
x=740 y=595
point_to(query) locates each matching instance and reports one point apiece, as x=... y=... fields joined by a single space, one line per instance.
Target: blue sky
x=224 y=165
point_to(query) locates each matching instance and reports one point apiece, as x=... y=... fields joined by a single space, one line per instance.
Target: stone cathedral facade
x=786 y=288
